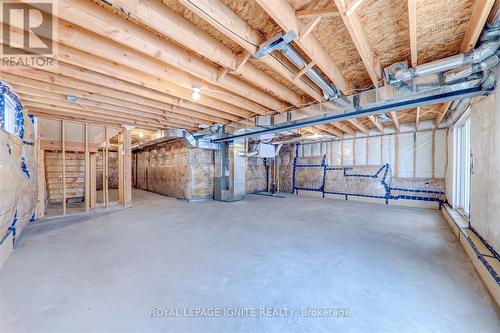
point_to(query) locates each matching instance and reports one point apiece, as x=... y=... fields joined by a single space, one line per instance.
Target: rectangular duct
x=230 y=171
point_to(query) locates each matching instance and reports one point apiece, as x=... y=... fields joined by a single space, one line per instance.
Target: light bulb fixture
x=196 y=95
x=141 y=134
x=71 y=98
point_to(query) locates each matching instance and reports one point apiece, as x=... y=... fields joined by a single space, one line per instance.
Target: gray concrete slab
x=396 y=269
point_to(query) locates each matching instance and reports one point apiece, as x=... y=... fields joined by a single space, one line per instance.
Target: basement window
x=462 y=164
x=9 y=114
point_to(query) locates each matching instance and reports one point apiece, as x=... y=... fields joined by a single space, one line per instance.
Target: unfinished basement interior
x=250 y=166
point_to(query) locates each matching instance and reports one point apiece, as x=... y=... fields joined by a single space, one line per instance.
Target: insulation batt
x=173 y=169
x=112 y=170
x=485 y=178
x=256 y=174
x=285 y=162
x=17 y=190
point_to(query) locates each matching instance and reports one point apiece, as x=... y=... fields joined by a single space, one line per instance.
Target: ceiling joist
x=284 y=15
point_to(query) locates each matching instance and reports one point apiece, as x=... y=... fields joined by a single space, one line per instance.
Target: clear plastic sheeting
x=485 y=178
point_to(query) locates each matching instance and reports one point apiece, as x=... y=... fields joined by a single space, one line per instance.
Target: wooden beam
x=417 y=118
x=317 y=12
x=87 y=170
x=107 y=109
x=344 y=128
x=242 y=60
x=127 y=168
x=444 y=110
x=304 y=70
x=353 y=6
x=70 y=146
x=93 y=179
x=377 y=124
x=97 y=113
x=40 y=167
x=83 y=116
x=395 y=119
x=284 y=15
x=164 y=20
x=480 y=13
x=95 y=84
x=216 y=13
x=63 y=152
x=39 y=88
x=176 y=61
x=358 y=125
x=85 y=49
x=121 y=166
x=329 y=129
x=105 y=167
x=358 y=36
x=412 y=23
x=62 y=115
x=309 y=27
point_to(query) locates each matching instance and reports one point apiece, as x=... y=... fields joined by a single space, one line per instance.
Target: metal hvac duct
x=482 y=58
x=281 y=43
x=399 y=72
x=230 y=172
x=374 y=101
x=180 y=133
x=464 y=72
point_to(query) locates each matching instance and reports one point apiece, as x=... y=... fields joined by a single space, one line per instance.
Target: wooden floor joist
x=39 y=88
x=159 y=17
x=216 y=13
x=107 y=57
x=93 y=83
x=152 y=52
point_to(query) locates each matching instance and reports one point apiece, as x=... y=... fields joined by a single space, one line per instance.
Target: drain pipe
x=281 y=43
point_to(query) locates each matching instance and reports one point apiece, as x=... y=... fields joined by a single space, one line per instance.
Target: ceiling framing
x=136 y=61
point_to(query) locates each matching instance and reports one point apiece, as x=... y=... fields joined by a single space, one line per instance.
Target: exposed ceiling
x=136 y=61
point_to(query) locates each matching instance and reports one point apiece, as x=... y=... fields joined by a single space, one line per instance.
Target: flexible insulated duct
x=402 y=73
x=462 y=73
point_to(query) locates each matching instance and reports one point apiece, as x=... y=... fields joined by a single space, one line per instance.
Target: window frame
x=462 y=164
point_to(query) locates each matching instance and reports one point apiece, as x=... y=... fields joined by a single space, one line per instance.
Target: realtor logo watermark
x=28 y=34
x=231 y=312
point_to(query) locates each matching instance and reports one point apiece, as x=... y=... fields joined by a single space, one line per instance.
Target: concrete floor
x=56 y=209
x=395 y=269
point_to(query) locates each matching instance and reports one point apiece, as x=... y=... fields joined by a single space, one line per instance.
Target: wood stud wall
x=67 y=161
